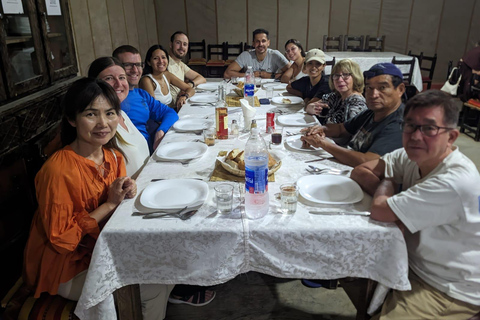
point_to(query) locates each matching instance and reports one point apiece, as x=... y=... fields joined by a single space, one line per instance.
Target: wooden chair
x=430 y=68
x=332 y=43
x=357 y=45
x=216 y=67
x=470 y=120
x=195 y=63
x=330 y=63
x=232 y=51
x=247 y=47
x=449 y=69
x=410 y=90
x=374 y=44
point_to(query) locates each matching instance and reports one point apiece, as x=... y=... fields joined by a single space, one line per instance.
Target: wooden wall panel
x=232 y=21
x=319 y=19
x=293 y=18
x=102 y=39
x=453 y=36
x=131 y=23
x=424 y=27
x=82 y=34
x=116 y=19
x=364 y=17
x=339 y=17
x=170 y=18
x=395 y=23
x=263 y=14
x=143 y=43
x=202 y=23
x=151 y=22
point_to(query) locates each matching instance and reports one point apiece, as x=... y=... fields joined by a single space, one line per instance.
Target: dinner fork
x=140 y=213
x=182 y=216
x=316 y=170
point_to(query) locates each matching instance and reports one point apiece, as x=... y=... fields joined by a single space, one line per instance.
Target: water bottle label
x=256 y=180
x=249 y=89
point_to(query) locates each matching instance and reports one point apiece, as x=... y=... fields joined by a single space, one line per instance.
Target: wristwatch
x=272 y=76
x=185 y=95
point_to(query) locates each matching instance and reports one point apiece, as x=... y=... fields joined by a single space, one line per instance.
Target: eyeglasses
x=129 y=65
x=345 y=76
x=428 y=130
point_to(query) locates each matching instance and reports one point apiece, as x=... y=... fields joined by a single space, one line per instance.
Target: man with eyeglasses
x=432 y=191
x=373 y=132
x=151 y=117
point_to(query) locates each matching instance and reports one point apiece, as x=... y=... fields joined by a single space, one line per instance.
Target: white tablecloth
x=367 y=59
x=209 y=249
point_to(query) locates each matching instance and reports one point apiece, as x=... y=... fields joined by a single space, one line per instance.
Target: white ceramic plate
x=297 y=120
x=295 y=143
x=181 y=151
x=209 y=86
x=204 y=98
x=192 y=124
x=275 y=86
x=293 y=99
x=330 y=189
x=174 y=194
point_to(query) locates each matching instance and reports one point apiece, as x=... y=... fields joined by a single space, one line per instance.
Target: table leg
x=127 y=303
x=360 y=291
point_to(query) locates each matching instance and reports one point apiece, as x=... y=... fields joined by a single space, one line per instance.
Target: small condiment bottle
x=234 y=128
x=254 y=124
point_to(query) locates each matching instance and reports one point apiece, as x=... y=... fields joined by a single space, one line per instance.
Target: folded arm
x=233 y=70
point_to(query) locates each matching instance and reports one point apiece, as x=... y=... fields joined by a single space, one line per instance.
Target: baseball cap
x=315 y=54
x=383 y=68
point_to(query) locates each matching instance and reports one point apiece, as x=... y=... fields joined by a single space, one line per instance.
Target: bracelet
x=185 y=95
x=272 y=76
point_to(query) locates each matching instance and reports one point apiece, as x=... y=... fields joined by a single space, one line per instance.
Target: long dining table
x=367 y=59
x=210 y=249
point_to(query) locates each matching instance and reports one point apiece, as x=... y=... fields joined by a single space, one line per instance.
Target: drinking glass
x=269 y=92
x=209 y=136
x=289 y=198
x=277 y=136
x=224 y=197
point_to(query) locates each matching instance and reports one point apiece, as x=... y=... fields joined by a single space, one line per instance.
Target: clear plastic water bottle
x=256 y=176
x=249 y=89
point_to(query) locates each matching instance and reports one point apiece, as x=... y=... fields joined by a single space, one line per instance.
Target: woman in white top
x=129 y=139
x=157 y=78
x=295 y=53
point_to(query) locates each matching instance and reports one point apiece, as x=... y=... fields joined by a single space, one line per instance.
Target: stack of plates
x=209 y=86
x=203 y=98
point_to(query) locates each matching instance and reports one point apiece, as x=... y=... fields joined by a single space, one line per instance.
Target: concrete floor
x=255 y=296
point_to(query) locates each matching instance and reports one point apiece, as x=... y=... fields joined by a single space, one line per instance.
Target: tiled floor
x=255 y=296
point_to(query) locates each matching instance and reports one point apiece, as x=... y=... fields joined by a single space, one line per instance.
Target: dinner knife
x=341 y=213
x=314 y=160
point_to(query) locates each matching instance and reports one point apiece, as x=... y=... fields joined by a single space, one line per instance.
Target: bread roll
x=240 y=157
x=232 y=154
x=232 y=164
x=271 y=161
x=241 y=165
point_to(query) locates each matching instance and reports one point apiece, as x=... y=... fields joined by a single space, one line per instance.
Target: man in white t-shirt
x=437 y=208
x=267 y=63
x=178 y=50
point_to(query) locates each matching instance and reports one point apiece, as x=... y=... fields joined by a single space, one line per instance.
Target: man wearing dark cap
x=374 y=132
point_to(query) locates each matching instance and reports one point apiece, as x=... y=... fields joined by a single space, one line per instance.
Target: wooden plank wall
x=446 y=27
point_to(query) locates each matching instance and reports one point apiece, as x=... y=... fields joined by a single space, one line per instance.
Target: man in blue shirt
x=139 y=105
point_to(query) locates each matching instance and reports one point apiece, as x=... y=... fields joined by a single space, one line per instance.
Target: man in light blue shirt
x=267 y=63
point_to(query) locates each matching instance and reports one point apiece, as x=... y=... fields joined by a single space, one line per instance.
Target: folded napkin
x=248 y=113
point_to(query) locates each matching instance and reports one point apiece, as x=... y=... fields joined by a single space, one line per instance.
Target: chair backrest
x=246 y=47
x=217 y=50
x=332 y=43
x=449 y=68
x=233 y=50
x=352 y=43
x=374 y=43
x=430 y=67
x=330 y=63
x=197 y=47
x=406 y=71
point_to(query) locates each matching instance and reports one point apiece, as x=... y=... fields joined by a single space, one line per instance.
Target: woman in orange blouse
x=77 y=189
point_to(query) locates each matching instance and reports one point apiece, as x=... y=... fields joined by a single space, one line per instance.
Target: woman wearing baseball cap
x=316 y=82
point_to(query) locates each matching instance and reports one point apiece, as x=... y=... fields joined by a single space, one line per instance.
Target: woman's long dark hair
x=78 y=97
x=298 y=44
x=102 y=63
x=148 y=68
